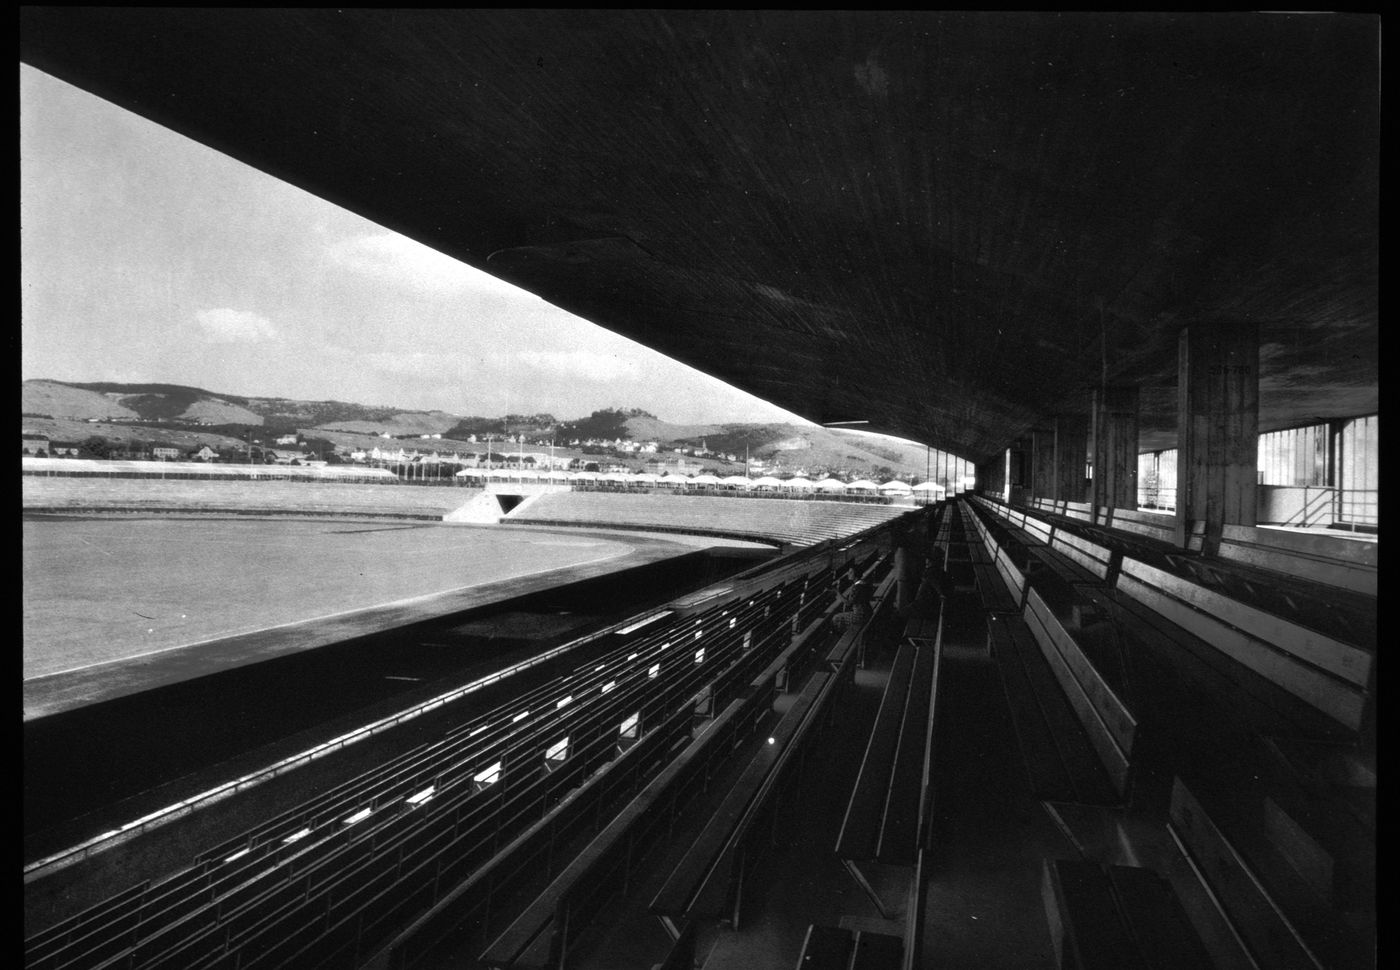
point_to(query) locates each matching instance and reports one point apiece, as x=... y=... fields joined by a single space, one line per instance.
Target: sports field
x=107 y=590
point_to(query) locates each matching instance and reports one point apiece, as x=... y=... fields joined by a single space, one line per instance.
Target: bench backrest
x=1329 y=675
x=1327 y=559
x=1097 y=559
x=1036 y=527
x=1154 y=525
x=1110 y=726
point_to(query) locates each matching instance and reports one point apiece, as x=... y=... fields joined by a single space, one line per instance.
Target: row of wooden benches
x=1331 y=560
x=1329 y=676
x=887 y=826
x=708 y=881
x=1125 y=684
x=1319 y=581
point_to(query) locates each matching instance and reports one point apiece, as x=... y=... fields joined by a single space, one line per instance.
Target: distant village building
x=205 y=454
x=678 y=465
x=162 y=453
x=287 y=439
x=32 y=444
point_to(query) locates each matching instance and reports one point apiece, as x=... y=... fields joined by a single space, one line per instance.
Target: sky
x=147 y=257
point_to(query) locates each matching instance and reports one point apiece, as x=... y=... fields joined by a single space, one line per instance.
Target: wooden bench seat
x=837 y=948
x=1345 y=771
x=1325 y=830
x=1061 y=763
x=1111 y=917
x=888 y=812
x=708 y=880
x=1281 y=921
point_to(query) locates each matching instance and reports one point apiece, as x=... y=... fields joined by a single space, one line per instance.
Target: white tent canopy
x=929 y=487
x=799 y=482
x=705 y=479
x=831 y=485
x=895 y=485
x=739 y=480
x=671 y=478
x=864 y=484
x=767 y=481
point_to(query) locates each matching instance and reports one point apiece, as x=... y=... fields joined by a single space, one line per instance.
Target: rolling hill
x=113 y=410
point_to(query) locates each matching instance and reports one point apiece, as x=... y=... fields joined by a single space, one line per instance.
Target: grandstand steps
x=483 y=509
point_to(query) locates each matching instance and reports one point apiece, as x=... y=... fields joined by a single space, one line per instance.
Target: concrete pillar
x=991 y=476
x=1043 y=465
x=1071 y=453
x=1217 y=430
x=1115 y=433
x=1017 y=471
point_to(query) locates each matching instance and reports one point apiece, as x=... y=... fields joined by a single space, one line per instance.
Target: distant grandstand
x=307 y=496
x=57 y=486
x=790 y=521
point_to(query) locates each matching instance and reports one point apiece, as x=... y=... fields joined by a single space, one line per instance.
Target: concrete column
x=1071 y=452
x=1217 y=430
x=1043 y=465
x=1115 y=433
x=991 y=475
x=1017 y=471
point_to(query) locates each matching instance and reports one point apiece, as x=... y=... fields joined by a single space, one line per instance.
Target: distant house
x=32 y=444
x=163 y=453
x=287 y=439
x=205 y=454
x=64 y=449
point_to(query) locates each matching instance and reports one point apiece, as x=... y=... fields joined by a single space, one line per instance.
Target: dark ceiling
x=948 y=225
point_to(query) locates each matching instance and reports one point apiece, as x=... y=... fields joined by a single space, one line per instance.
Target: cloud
x=518 y=366
x=390 y=258
x=226 y=326
x=412 y=364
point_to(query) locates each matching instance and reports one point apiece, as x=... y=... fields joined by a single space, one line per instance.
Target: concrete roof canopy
x=948 y=225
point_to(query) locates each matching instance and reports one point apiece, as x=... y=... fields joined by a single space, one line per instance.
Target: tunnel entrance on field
x=508 y=502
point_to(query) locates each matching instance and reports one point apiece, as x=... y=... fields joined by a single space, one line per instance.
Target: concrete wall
x=1298 y=505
